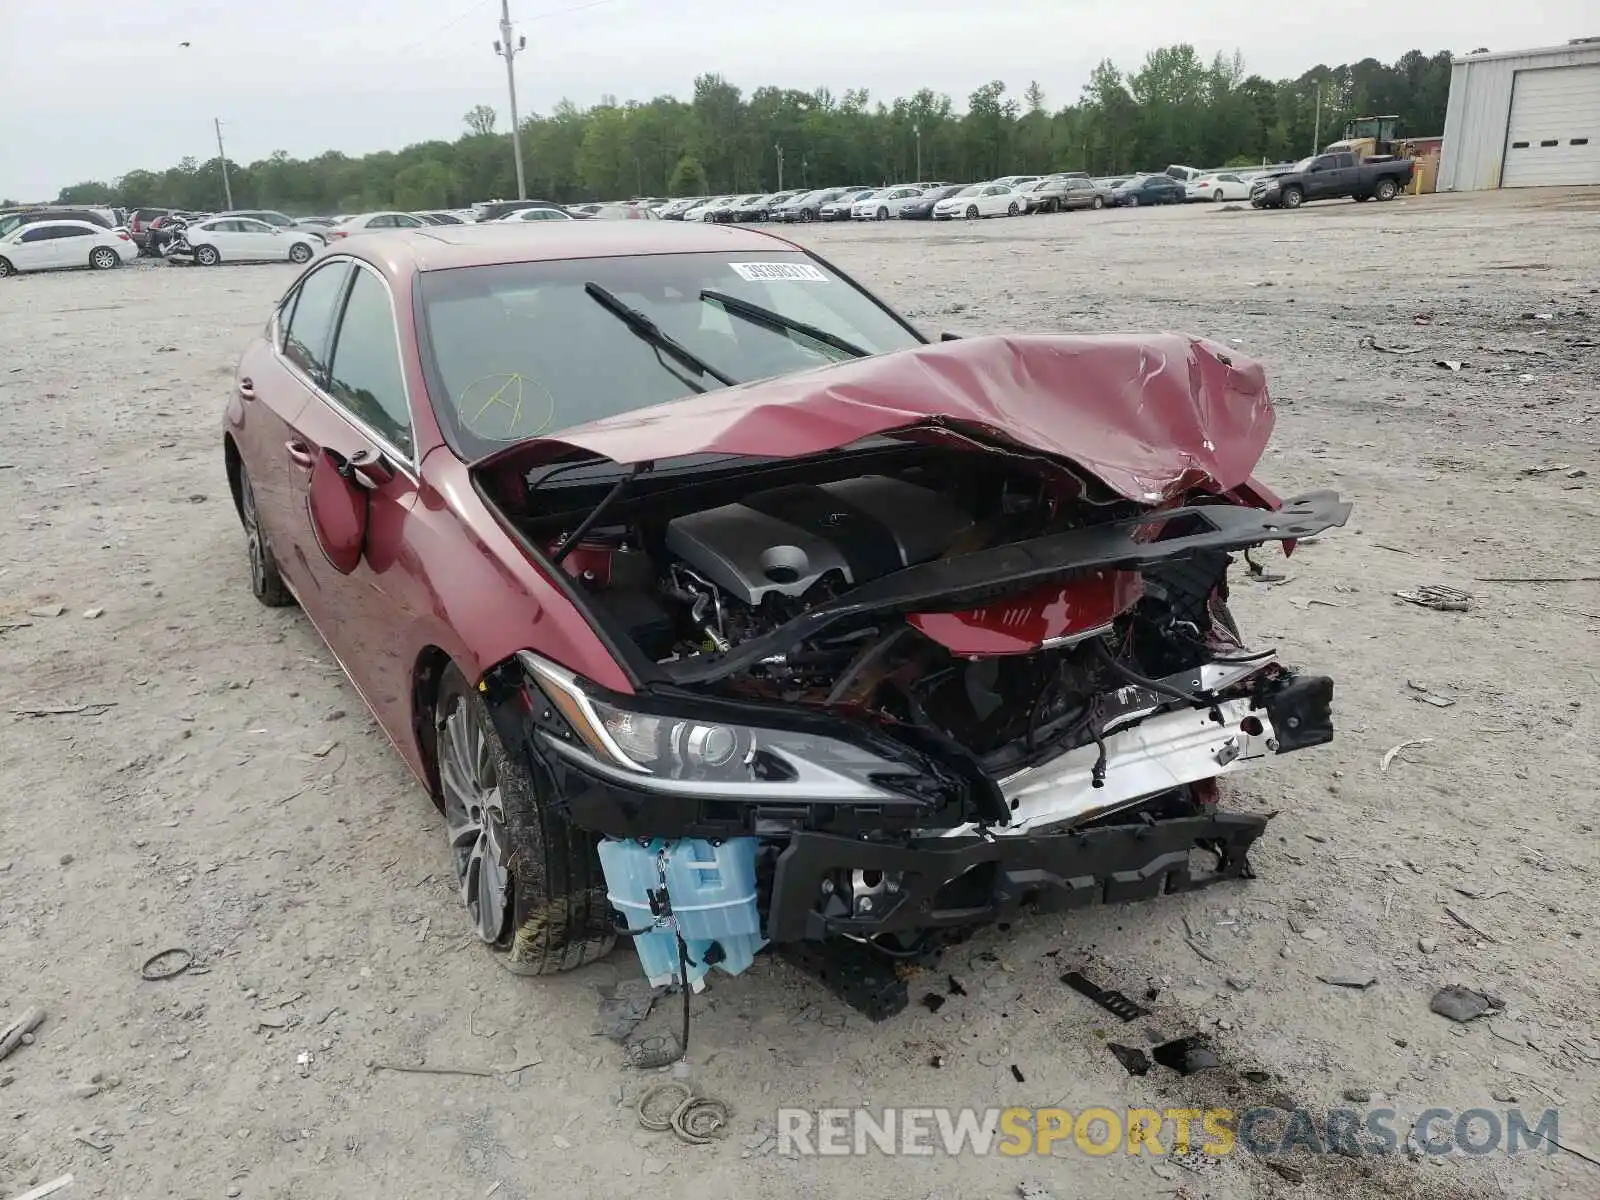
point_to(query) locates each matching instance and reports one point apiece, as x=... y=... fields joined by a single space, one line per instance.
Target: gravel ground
x=205 y=809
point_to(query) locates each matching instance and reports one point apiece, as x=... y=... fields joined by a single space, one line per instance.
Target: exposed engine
x=708 y=580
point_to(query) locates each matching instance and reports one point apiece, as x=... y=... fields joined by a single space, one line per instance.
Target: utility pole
x=1316 y=135
x=916 y=131
x=508 y=51
x=779 y=149
x=222 y=157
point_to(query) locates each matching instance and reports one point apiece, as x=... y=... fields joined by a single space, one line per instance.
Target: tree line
x=1174 y=108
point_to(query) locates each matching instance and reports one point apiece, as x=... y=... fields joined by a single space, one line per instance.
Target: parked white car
x=49 y=245
x=702 y=210
x=885 y=203
x=241 y=239
x=1224 y=185
x=980 y=200
x=1017 y=181
x=373 y=222
x=535 y=214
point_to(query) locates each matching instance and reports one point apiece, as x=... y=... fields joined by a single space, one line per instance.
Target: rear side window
x=308 y=336
x=366 y=377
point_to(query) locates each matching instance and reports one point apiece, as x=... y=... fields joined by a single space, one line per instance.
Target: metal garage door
x=1554 y=133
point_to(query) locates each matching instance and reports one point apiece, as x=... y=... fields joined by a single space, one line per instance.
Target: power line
x=476 y=5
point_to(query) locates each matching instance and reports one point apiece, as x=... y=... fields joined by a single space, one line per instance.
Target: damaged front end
x=894 y=688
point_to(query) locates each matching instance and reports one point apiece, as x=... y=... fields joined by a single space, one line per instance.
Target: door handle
x=247 y=389
x=300 y=453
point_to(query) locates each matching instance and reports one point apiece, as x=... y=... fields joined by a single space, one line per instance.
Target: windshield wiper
x=776 y=320
x=648 y=330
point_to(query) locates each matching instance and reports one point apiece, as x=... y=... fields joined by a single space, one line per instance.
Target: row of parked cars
x=52 y=236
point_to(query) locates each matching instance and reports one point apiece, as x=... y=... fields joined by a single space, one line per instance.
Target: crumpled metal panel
x=1150 y=415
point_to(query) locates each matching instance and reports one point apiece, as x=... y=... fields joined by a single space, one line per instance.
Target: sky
x=91 y=91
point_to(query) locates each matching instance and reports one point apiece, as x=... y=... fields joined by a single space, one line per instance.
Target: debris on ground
x=1449 y=364
x=47 y=610
x=1544 y=470
x=20 y=1031
x=1133 y=1059
x=933 y=1002
x=694 y=1118
x=167 y=964
x=1186 y=1055
x=1456 y=916
x=1438 y=597
x=1113 y=1002
x=1033 y=1191
x=1462 y=1004
x=622 y=1006
x=1368 y=342
x=1357 y=982
x=1389 y=754
x=46 y=1189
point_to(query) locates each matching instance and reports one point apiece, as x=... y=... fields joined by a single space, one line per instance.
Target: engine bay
x=687 y=571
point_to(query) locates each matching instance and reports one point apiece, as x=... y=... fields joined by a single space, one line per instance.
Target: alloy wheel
x=475 y=820
x=252 y=535
x=103 y=259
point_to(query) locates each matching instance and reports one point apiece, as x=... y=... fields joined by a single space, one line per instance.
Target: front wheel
x=1292 y=198
x=1011 y=209
x=1099 y=203
x=265 y=583
x=1133 y=202
x=883 y=214
x=104 y=258
x=972 y=212
x=1387 y=189
x=530 y=881
x=299 y=253
x=807 y=216
x=6 y=268
x=207 y=256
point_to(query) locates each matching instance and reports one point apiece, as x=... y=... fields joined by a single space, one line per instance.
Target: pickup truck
x=1332 y=177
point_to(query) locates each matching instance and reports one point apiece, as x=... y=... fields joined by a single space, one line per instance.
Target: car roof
x=76 y=224
x=404 y=253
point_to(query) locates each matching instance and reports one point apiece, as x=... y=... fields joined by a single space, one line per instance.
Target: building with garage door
x=1524 y=118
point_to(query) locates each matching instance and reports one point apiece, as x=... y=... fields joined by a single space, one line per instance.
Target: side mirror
x=367 y=470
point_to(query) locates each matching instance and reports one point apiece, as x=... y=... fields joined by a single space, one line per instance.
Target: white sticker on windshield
x=764 y=272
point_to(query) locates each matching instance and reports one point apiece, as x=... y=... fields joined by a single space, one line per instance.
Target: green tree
x=688 y=178
x=480 y=119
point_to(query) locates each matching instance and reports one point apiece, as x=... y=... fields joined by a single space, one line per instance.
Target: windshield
x=520 y=350
x=1305 y=164
x=969 y=190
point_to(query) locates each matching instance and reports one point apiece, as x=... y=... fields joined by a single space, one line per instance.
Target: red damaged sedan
x=715 y=606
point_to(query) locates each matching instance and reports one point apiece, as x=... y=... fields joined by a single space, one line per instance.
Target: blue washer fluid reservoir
x=705 y=891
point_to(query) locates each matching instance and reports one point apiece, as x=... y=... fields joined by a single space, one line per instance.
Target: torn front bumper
x=940 y=882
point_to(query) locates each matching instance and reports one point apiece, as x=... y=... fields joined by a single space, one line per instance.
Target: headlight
x=665 y=752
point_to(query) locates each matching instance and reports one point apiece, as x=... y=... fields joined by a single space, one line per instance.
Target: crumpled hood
x=1150 y=415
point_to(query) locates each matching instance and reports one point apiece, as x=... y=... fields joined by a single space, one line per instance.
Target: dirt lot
x=203 y=809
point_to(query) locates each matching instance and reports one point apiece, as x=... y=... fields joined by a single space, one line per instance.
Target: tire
x=266 y=584
x=1099 y=203
x=6 y=268
x=1291 y=198
x=104 y=258
x=972 y=212
x=1216 y=196
x=807 y=216
x=1387 y=189
x=883 y=214
x=541 y=874
x=299 y=253
x=1363 y=197
x=1011 y=209
x=1133 y=202
x=207 y=256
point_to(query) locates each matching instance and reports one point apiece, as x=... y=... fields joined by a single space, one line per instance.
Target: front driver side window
x=366 y=378
x=309 y=335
